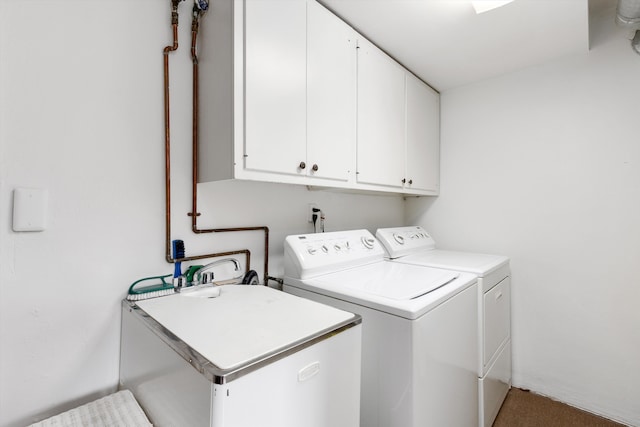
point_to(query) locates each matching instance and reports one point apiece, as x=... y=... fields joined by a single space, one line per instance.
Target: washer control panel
x=400 y=241
x=309 y=255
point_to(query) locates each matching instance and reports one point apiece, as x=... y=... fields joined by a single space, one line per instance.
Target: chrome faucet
x=202 y=276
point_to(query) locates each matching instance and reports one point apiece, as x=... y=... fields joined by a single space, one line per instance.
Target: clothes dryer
x=414 y=246
x=419 y=327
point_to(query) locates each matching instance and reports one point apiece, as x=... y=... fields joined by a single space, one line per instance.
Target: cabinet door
x=423 y=136
x=275 y=85
x=381 y=117
x=331 y=95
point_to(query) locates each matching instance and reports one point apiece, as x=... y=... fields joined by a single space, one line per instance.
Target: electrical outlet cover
x=310 y=211
x=29 y=209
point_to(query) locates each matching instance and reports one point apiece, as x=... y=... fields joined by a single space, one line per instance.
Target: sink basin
x=201 y=292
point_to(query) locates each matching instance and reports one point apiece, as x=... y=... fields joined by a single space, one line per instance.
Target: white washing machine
x=239 y=356
x=413 y=245
x=419 y=327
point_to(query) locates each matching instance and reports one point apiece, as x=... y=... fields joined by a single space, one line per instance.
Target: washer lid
x=388 y=281
x=404 y=290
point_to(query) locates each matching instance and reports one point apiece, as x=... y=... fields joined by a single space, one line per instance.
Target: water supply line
x=198 y=10
x=167 y=146
x=167 y=121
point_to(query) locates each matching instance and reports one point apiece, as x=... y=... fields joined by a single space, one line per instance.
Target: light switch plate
x=29 y=209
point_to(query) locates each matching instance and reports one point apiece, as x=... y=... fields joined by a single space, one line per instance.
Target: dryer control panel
x=401 y=241
x=310 y=255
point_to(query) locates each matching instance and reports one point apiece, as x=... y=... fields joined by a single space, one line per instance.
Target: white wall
x=543 y=165
x=81 y=115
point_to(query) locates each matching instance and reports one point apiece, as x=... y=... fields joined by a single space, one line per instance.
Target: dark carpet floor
x=525 y=409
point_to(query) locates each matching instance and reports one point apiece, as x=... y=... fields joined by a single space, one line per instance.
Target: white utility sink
x=202 y=292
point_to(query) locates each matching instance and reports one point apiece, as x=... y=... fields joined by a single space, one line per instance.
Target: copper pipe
x=194 y=128
x=167 y=144
x=169 y=258
x=167 y=132
x=195 y=142
x=265 y=229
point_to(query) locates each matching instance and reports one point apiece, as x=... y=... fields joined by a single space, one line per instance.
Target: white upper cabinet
x=275 y=85
x=398 y=126
x=331 y=95
x=299 y=90
x=423 y=136
x=290 y=93
x=381 y=117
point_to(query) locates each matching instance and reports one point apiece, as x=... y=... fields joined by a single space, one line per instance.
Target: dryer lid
x=480 y=264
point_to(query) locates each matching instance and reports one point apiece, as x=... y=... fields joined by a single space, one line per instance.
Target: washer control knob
x=398 y=238
x=337 y=247
x=312 y=251
x=368 y=242
x=325 y=249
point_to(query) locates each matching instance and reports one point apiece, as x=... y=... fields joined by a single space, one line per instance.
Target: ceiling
x=447 y=44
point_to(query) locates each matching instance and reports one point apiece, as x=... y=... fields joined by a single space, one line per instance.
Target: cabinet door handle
x=314 y=168
x=302 y=165
x=410 y=181
x=404 y=181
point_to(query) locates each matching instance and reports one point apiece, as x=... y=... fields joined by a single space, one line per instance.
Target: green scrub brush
x=157 y=289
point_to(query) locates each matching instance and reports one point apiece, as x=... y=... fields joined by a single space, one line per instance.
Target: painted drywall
x=81 y=116
x=543 y=165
